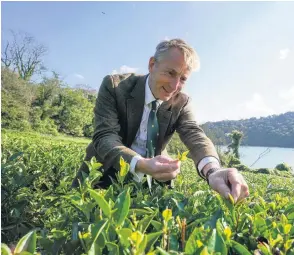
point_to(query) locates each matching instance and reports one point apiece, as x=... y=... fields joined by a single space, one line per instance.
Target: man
x=136 y=116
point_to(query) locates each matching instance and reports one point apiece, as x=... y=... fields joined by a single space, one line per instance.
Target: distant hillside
x=271 y=131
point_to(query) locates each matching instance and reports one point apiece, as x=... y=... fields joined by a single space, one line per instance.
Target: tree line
x=51 y=106
x=271 y=131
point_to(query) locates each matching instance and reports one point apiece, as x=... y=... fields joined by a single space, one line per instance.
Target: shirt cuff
x=138 y=176
x=203 y=162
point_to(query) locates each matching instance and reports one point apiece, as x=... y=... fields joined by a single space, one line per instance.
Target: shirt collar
x=148 y=94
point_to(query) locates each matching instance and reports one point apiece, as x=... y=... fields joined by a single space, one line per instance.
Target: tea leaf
x=204 y=251
x=96 y=230
x=167 y=214
x=113 y=248
x=284 y=219
x=287 y=228
x=182 y=157
x=288 y=244
x=137 y=238
x=239 y=248
x=124 y=235
x=162 y=251
x=27 y=243
x=227 y=232
x=124 y=167
x=122 y=205
x=192 y=245
x=145 y=222
x=216 y=243
x=5 y=250
x=152 y=238
x=199 y=243
x=231 y=199
x=101 y=202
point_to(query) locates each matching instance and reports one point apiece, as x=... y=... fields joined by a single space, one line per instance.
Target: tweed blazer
x=118 y=113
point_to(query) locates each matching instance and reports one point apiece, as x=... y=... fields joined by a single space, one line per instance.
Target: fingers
x=236 y=191
x=165 y=159
x=245 y=189
x=223 y=189
x=165 y=168
x=166 y=176
x=168 y=166
x=229 y=181
x=239 y=186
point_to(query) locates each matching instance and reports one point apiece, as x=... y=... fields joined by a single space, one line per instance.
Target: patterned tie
x=152 y=136
x=152 y=131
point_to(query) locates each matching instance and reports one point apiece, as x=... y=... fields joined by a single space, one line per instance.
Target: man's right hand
x=161 y=168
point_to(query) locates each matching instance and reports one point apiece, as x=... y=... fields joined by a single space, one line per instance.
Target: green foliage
x=128 y=218
x=271 y=131
x=227 y=159
x=48 y=107
x=45 y=106
x=35 y=172
x=283 y=167
x=76 y=113
x=16 y=97
x=264 y=171
x=242 y=167
x=236 y=137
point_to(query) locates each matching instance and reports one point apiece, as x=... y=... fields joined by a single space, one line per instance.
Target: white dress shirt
x=139 y=144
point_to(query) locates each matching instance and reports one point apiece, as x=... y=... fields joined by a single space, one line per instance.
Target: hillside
x=271 y=131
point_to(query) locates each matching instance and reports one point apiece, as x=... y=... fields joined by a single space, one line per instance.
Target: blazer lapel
x=135 y=107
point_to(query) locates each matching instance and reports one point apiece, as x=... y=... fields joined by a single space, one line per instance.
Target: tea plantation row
x=40 y=213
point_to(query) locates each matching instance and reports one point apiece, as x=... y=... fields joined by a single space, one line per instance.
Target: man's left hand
x=229 y=181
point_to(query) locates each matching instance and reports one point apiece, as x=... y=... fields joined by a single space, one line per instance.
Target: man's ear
x=151 y=64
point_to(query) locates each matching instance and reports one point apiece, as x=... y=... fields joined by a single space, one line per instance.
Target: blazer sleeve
x=193 y=136
x=106 y=139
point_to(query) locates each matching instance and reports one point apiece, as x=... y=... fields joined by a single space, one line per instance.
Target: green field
x=37 y=201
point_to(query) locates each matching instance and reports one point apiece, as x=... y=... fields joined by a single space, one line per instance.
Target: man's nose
x=175 y=83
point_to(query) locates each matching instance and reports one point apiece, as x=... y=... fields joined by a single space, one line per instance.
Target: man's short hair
x=190 y=55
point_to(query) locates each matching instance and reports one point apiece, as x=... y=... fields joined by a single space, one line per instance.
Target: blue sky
x=246 y=49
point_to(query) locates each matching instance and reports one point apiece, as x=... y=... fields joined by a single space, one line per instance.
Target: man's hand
x=229 y=181
x=161 y=168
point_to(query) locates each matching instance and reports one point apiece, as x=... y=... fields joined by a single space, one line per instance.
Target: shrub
x=264 y=171
x=283 y=167
x=242 y=167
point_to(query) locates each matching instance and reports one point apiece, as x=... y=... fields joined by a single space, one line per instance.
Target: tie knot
x=154 y=105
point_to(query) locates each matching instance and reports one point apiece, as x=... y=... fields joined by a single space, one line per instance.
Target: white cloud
x=79 y=76
x=287 y=95
x=125 y=69
x=256 y=106
x=284 y=53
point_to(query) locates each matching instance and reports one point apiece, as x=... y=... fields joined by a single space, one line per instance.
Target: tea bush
x=41 y=214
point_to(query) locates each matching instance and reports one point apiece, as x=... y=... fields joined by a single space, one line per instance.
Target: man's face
x=168 y=75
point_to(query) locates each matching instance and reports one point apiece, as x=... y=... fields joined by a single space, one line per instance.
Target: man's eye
x=183 y=80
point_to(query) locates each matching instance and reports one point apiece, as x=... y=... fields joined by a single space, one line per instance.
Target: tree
x=76 y=113
x=24 y=55
x=17 y=96
x=236 y=137
x=46 y=105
